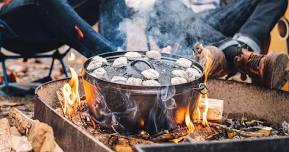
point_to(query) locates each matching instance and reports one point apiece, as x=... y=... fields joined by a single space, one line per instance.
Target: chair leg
x=51 y=68
x=5 y=75
x=63 y=67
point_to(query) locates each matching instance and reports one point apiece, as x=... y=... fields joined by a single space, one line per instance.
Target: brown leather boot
x=218 y=66
x=267 y=70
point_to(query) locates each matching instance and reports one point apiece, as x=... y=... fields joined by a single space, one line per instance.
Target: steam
x=160 y=23
x=161 y=115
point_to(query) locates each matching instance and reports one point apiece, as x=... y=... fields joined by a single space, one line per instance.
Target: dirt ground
x=23 y=73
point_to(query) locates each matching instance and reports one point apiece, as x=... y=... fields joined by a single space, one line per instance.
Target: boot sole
x=276 y=66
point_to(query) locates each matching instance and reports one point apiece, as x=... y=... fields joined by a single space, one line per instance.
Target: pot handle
x=132 y=64
x=202 y=88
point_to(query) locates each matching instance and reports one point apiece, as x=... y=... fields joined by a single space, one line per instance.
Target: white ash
x=132 y=55
x=154 y=55
x=151 y=83
x=120 y=62
x=99 y=73
x=118 y=79
x=96 y=62
x=178 y=80
x=150 y=74
x=180 y=73
x=134 y=81
x=183 y=62
x=193 y=74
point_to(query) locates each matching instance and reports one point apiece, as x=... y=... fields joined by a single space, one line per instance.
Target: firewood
x=4 y=135
x=261 y=132
x=166 y=136
x=215 y=109
x=39 y=134
x=20 y=121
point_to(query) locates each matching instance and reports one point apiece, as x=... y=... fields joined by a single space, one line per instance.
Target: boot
x=217 y=67
x=267 y=70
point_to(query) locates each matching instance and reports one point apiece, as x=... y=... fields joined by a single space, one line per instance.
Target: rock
x=134 y=81
x=183 y=62
x=132 y=55
x=193 y=74
x=99 y=73
x=118 y=79
x=120 y=62
x=96 y=62
x=178 y=80
x=154 y=55
x=20 y=143
x=150 y=74
x=151 y=83
x=180 y=73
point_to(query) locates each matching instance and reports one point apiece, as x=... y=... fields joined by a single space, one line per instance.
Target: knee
x=282 y=4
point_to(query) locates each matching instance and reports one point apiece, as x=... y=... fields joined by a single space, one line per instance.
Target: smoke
x=161 y=23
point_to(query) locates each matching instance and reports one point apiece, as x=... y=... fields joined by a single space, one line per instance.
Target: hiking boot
x=267 y=70
x=217 y=67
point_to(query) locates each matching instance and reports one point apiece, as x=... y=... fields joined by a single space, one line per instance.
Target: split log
x=4 y=135
x=215 y=109
x=261 y=132
x=39 y=134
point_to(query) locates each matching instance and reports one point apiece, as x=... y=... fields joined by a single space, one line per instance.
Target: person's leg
x=230 y=18
x=112 y=13
x=62 y=20
x=268 y=70
x=261 y=22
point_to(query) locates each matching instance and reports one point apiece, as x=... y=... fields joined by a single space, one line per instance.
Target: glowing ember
x=180 y=115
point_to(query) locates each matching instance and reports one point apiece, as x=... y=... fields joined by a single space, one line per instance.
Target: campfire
x=205 y=122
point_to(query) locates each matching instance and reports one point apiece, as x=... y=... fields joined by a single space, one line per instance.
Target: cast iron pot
x=130 y=109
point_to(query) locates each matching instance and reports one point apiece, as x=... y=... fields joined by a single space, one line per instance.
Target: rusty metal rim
x=64 y=118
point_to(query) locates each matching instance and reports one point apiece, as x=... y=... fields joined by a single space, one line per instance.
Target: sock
x=230 y=53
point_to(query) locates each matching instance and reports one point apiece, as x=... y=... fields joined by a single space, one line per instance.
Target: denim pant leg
x=112 y=13
x=230 y=18
x=64 y=21
x=248 y=21
x=263 y=19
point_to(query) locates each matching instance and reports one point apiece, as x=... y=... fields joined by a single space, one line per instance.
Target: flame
x=208 y=62
x=197 y=112
x=180 y=115
x=205 y=121
x=189 y=122
x=71 y=99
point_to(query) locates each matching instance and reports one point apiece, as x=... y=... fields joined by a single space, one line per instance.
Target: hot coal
x=134 y=66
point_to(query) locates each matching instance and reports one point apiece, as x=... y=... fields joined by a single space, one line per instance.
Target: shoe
x=267 y=70
x=217 y=67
